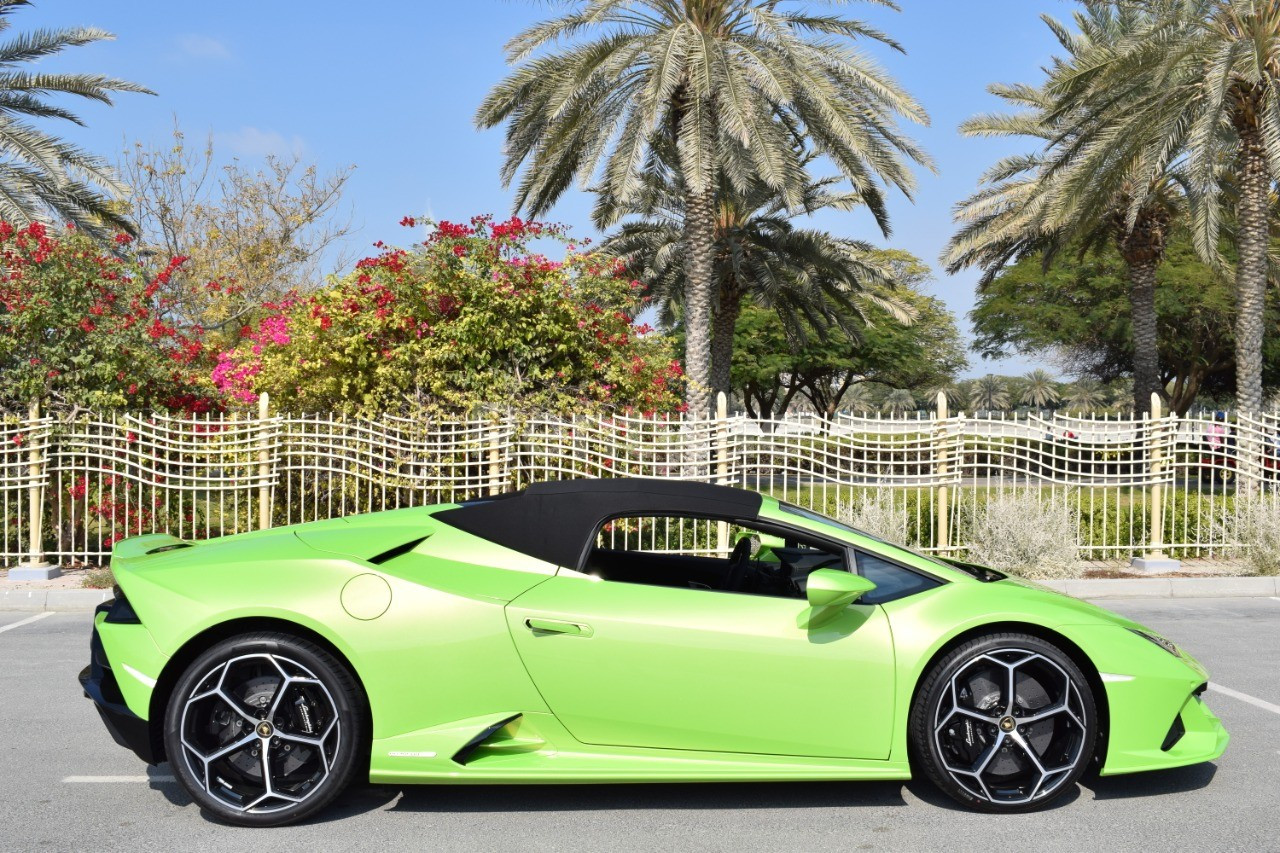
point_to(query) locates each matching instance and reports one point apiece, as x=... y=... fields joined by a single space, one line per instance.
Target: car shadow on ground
x=1155 y=783
x=624 y=796
x=658 y=795
x=480 y=799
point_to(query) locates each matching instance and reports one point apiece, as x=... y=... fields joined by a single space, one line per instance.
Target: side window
x=710 y=554
x=892 y=580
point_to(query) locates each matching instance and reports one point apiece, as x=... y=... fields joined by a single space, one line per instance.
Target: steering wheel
x=739 y=562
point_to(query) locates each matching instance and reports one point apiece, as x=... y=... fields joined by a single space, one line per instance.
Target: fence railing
x=71 y=487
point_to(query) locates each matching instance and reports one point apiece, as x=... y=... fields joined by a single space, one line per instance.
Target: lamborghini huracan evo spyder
x=583 y=632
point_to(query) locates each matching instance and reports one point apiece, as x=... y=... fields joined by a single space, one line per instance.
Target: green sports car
x=595 y=631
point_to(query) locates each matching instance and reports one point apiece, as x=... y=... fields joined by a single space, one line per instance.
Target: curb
x=55 y=600
x=1169 y=587
x=78 y=600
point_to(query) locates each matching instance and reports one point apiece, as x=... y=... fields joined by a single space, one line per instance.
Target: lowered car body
x=545 y=637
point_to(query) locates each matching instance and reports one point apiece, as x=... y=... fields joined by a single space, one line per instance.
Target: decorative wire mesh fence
x=72 y=487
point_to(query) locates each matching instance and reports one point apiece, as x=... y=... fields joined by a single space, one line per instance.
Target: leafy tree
x=81 y=326
x=1080 y=310
x=990 y=393
x=1200 y=80
x=740 y=87
x=772 y=369
x=42 y=177
x=1039 y=389
x=807 y=276
x=1041 y=202
x=470 y=320
x=250 y=236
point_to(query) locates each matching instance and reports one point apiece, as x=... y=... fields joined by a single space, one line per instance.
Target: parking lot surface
x=66 y=786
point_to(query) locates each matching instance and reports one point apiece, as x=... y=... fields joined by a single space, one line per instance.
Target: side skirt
x=535 y=749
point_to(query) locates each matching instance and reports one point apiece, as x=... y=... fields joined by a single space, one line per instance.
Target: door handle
x=556 y=626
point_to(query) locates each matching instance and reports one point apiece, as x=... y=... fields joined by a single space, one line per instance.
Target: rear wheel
x=1004 y=723
x=264 y=729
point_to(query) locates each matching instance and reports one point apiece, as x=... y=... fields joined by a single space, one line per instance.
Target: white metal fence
x=70 y=488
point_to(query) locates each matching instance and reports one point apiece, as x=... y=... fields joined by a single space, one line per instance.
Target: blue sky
x=390 y=86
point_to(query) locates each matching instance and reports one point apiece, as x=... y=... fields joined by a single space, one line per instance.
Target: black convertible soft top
x=557 y=522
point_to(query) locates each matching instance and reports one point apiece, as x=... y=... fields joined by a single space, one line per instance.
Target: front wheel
x=1004 y=723
x=264 y=729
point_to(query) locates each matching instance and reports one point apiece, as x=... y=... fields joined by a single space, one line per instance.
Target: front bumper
x=99 y=684
x=1194 y=736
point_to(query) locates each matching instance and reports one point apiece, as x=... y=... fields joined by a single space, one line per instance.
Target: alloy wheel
x=1010 y=727
x=260 y=733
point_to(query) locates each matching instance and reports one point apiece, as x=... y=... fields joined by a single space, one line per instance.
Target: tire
x=993 y=755
x=265 y=701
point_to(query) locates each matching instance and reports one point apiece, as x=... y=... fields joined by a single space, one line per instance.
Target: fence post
x=942 y=533
x=264 y=462
x=1155 y=559
x=495 y=457
x=37 y=568
x=722 y=464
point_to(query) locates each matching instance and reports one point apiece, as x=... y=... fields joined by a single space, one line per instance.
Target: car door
x=627 y=664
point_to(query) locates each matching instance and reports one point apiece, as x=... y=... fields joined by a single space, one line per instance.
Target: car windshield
x=980 y=572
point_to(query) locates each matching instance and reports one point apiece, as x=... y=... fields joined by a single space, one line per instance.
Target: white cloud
x=256 y=142
x=202 y=47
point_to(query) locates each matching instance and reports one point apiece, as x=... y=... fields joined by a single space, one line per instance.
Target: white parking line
x=1245 y=697
x=27 y=621
x=94 y=780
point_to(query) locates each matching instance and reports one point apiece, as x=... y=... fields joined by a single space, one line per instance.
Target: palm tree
x=1200 y=77
x=990 y=393
x=1085 y=395
x=897 y=402
x=954 y=393
x=1043 y=201
x=43 y=178
x=1039 y=389
x=857 y=398
x=740 y=87
x=813 y=280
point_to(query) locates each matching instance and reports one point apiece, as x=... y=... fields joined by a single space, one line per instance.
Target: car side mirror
x=833 y=589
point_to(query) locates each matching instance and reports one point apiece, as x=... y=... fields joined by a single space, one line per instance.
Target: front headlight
x=1167 y=645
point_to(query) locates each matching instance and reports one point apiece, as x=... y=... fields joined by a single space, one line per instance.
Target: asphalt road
x=64 y=785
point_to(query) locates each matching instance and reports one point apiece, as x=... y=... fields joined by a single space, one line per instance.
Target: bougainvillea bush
x=81 y=325
x=470 y=319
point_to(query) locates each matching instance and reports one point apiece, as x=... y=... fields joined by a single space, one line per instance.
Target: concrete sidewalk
x=75 y=600
x=60 y=600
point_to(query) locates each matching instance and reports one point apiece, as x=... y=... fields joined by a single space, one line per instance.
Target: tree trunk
x=1251 y=271
x=1142 y=249
x=700 y=247
x=1146 y=352
x=722 y=337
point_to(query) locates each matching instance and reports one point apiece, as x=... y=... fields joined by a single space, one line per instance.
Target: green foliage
x=43 y=177
x=737 y=84
x=1079 y=307
x=470 y=319
x=771 y=367
x=1039 y=389
x=807 y=277
x=990 y=394
x=80 y=326
x=743 y=89
x=98 y=579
